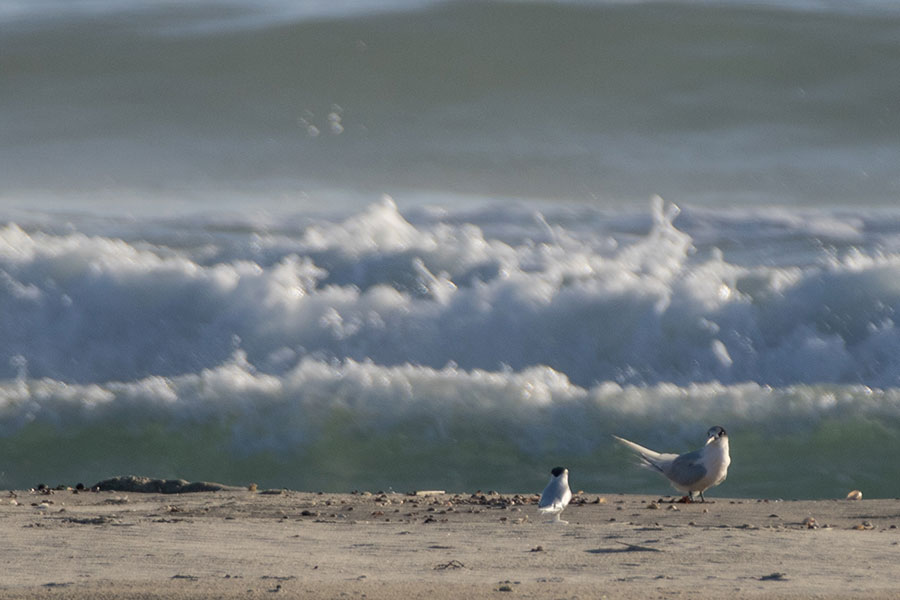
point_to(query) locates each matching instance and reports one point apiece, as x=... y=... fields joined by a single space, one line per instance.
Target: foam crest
x=636 y=301
x=539 y=402
x=420 y=425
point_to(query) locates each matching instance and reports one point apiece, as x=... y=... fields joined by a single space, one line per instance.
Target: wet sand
x=286 y=544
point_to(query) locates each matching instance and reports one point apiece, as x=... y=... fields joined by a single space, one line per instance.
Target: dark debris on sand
x=132 y=483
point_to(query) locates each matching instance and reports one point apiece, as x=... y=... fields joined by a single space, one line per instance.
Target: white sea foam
x=581 y=296
x=322 y=423
x=424 y=338
x=537 y=403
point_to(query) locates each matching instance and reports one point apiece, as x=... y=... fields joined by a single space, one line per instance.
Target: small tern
x=557 y=494
x=691 y=472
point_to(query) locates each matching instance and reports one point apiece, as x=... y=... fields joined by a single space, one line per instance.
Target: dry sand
x=242 y=544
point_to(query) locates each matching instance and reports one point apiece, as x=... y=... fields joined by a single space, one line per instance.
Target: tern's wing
x=552 y=495
x=687 y=469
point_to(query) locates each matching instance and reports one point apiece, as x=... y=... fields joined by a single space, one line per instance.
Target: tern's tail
x=650 y=457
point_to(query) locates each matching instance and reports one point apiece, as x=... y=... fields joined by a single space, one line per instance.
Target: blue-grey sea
x=357 y=244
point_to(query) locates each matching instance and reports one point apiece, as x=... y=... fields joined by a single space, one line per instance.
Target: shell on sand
x=854 y=495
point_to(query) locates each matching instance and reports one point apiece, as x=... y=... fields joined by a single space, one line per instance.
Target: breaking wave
x=455 y=349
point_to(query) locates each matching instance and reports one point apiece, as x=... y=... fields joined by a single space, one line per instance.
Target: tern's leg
x=702 y=499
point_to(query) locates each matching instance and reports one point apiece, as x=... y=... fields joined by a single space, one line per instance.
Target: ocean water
x=423 y=244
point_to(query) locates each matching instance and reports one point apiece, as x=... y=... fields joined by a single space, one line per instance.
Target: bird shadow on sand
x=626 y=548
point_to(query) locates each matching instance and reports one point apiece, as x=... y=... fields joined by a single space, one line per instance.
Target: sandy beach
x=239 y=543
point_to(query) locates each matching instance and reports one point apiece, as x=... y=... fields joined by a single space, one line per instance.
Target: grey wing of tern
x=687 y=469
